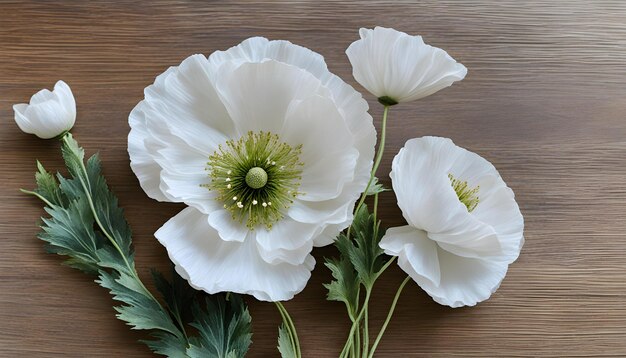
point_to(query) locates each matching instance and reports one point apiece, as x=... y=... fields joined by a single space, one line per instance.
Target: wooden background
x=544 y=100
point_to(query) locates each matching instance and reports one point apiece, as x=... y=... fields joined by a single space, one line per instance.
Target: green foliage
x=224 y=327
x=285 y=345
x=365 y=254
x=87 y=225
x=360 y=260
x=360 y=263
x=376 y=187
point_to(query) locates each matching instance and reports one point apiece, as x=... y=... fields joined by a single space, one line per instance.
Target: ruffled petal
x=214 y=265
x=259 y=49
x=327 y=147
x=420 y=180
x=183 y=103
x=499 y=209
x=288 y=241
x=228 y=229
x=465 y=281
x=258 y=95
x=142 y=162
x=417 y=254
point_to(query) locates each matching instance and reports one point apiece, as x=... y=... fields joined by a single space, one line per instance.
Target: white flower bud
x=48 y=114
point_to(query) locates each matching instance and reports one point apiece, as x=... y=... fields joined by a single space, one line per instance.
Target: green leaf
x=376 y=187
x=224 y=326
x=365 y=254
x=360 y=261
x=167 y=345
x=178 y=295
x=285 y=345
x=345 y=286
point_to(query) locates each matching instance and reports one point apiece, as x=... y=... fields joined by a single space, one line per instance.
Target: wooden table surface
x=544 y=100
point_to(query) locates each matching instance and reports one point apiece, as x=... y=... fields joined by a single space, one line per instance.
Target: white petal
x=327 y=147
x=330 y=232
x=420 y=180
x=288 y=241
x=334 y=211
x=42 y=96
x=417 y=254
x=183 y=102
x=213 y=265
x=465 y=281
x=142 y=162
x=258 y=95
x=64 y=94
x=49 y=118
x=23 y=122
x=499 y=209
x=258 y=49
x=228 y=228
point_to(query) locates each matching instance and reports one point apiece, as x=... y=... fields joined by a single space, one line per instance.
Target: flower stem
x=356 y=323
x=354 y=336
x=293 y=334
x=379 y=157
x=391 y=310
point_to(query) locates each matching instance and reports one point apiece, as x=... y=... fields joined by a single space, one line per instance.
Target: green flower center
x=256 y=177
x=468 y=196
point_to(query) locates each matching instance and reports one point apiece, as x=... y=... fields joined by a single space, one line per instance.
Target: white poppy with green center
x=268 y=150
x=464 y=226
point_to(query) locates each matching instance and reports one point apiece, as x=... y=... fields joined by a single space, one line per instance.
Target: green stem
x=391 y=310
x=357 y=345
x=357 y=321
x=288 y=322
x=49 y=204
x=379 y=157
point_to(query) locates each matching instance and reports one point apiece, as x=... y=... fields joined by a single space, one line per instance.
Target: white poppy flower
x=48 y=114
x=396 y=67
x=464 y=226
x=268 y=149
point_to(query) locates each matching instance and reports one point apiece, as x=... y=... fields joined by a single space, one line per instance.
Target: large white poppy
x=464 y=226
x=396 y=67
x=268 y=149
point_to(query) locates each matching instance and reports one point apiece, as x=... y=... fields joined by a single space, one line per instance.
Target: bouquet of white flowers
x=274 y=155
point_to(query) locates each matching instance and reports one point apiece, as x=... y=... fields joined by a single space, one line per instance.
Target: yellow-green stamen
x=468 y=196
x=255 y=177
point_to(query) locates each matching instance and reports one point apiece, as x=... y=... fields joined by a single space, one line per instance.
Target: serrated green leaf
x=178 y=295
x=345 y=286
x=167 y=345
x=48 y=187
x=285 y=346
x=365 y=254
x=224 y=327
x=376 y=187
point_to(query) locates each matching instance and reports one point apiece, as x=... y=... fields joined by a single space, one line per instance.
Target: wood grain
x=545 y=101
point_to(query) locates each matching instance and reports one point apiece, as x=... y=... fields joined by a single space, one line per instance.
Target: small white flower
x=464 y=226
x=48 y=114
x=396 y=67
x=296 y=142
